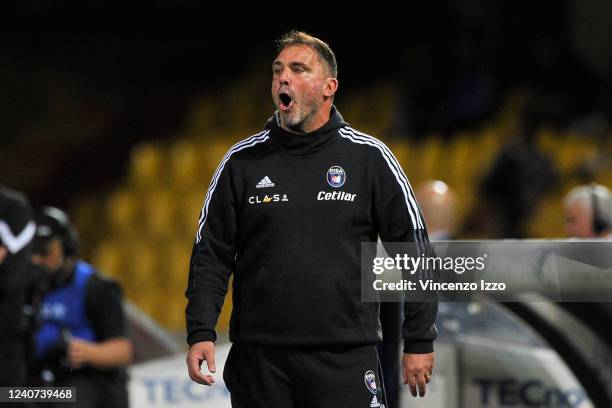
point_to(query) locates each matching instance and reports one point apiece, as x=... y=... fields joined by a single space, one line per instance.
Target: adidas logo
x=265 y=182
x=374 y=403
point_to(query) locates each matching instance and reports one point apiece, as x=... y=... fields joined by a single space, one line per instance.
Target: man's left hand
x=79 y=352
x=3 y=253
x=417 y=370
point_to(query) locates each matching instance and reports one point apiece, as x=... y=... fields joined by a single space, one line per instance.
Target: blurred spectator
x=520 y=176
x=588 y=212
x=82 y=340
x=437 y=202
x=16 y=232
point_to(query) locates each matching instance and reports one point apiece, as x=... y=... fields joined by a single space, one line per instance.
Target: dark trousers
x=13 y=363
x=303 y=378
x=91 y=392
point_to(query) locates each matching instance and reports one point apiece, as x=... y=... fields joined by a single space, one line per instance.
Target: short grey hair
x=323 y=50
x=585 y=194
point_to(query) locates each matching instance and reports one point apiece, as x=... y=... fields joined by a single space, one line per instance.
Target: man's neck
x=66 y=272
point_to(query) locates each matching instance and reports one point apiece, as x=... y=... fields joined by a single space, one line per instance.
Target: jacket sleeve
x=398 y=219
x=212 y=257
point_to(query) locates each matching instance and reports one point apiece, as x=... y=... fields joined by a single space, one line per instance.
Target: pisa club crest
x=336 y=176
x=370 y=381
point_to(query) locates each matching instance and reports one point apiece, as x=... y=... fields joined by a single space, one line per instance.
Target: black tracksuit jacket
x=17 y=229
x=286 y=214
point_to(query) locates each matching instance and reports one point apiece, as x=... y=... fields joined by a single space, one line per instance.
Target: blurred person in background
x=82 y=338
x=520 y=176
x=16 y=232
x=286 y=213
x=437 y=201
x=588 y=212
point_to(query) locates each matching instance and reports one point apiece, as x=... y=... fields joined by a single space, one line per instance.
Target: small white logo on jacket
x=268 y=199
x=370 y=382
x=264 y=183
x=336 y=176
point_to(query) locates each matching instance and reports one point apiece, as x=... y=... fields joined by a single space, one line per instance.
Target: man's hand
x=417 y=369
x=113 y=352
x=3 y=253
x=199 y=352
x=80 y=352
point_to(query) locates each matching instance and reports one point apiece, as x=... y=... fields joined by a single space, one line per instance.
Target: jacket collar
x=304 y=143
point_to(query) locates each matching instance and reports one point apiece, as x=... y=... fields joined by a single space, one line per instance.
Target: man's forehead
x=296 y=53
x=580 y=205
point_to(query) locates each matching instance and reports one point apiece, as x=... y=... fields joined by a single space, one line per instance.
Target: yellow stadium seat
x=122 y=212
x=188 y=212
x=147 y=166
x=141 y=264
x=548 y=219
x=174 y=264
x=402 y=151
x=209 y=155
x=158 y=210
x=107 y=256
x=183 y=161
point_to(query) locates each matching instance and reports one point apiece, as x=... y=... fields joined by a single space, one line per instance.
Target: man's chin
x=290 y=121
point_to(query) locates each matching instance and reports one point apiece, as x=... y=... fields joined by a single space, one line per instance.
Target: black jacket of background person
x=270 y=217
x=16 y=232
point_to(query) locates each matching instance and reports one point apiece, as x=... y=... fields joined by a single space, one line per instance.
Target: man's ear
x=330 y=87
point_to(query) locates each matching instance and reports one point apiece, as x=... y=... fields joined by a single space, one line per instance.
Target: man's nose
x=283 y=77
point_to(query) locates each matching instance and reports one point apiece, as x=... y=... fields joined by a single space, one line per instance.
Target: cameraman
x=82 y=338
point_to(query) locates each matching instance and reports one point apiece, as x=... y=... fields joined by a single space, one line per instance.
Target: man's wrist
x=201 y=336
x=90 y=351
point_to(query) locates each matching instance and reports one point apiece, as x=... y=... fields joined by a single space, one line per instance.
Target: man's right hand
x=199 y=352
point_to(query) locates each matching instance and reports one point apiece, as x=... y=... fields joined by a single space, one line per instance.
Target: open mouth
x=285 y=100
